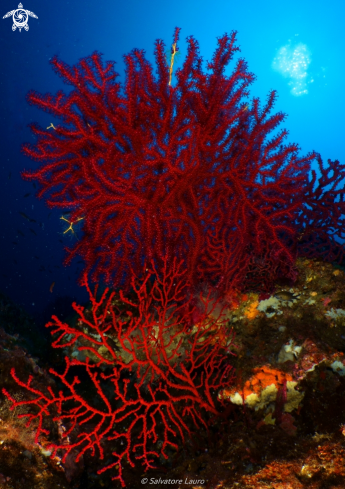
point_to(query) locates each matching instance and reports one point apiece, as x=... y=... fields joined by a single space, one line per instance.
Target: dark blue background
x=312 y=35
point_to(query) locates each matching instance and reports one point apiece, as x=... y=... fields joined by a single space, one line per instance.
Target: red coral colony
x=160 y=372
x=183 y=199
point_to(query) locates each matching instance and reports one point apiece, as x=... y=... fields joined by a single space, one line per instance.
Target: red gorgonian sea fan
x=158 y=171
x=148 y=381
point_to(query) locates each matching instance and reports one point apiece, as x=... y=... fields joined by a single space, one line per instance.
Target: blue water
x=296 y=49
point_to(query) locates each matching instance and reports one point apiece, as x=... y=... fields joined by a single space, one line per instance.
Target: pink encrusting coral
x=156 y=170
x=151 y=379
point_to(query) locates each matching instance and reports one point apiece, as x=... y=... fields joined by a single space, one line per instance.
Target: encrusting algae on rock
x=261 y=390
